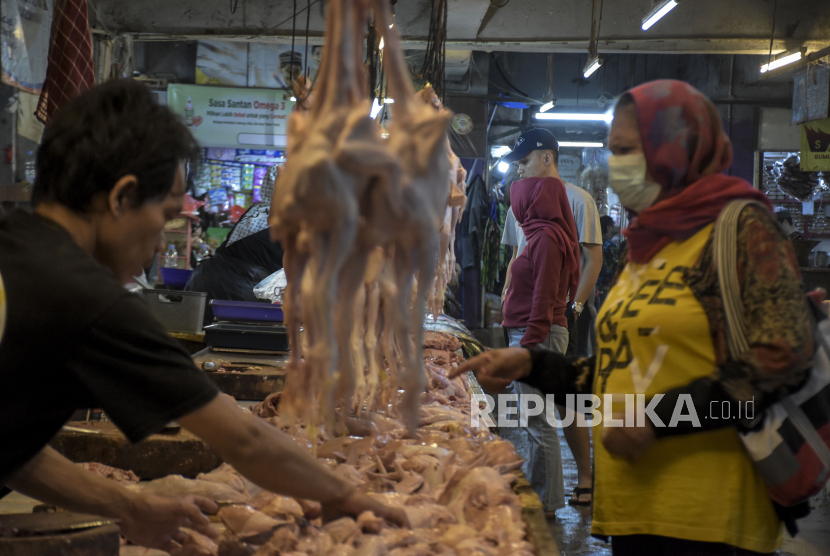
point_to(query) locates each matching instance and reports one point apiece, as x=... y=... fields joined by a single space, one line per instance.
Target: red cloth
x=548 y=268
x=70 y=70
x=686 y=152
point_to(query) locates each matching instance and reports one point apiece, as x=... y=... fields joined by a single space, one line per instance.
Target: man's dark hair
x=108 y=132
x=605 y=224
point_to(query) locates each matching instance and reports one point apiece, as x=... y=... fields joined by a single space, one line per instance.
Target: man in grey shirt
x=586 y=217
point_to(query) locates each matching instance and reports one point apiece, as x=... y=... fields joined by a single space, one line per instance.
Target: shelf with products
x=233 y=176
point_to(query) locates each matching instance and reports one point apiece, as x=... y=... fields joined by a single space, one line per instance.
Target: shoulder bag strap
x=726 y=257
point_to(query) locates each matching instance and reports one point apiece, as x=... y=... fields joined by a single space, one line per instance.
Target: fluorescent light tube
x=547 y=106
x=503 y=167
x=657 y=13
x=780 y=62
x=564 y=116
x=380 y=46
x=584 y=144
x=500 y=150
x=293 y=99
x=376 y=106
x=592 y=66
x=389 y=101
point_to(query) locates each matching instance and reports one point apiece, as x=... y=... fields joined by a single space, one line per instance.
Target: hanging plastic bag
x=272 y=287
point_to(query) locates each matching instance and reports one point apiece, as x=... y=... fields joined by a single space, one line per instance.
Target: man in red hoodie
x=540 y=279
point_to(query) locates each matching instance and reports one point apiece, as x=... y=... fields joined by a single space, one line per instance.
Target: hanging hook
x=233 y=5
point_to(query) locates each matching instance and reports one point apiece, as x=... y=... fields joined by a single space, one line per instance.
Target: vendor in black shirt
x=110 y=174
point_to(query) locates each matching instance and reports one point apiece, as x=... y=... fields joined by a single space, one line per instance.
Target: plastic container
x=260 y=337
x=178 y=311
x=175 y=277
x=246 y=311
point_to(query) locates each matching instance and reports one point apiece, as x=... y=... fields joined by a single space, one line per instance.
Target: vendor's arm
x=273 y=461
x=777 y=326
x=591 y=267
x=146 y=519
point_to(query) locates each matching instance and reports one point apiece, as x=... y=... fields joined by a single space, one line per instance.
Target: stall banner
x=233 y=117
x=222 y=63
x=815 y=146
x=276 y=66
x=24 y=34
x=569 y=168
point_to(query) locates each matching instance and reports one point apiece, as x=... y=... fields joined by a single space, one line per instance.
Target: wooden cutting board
x=245 y=376
x=158 y=456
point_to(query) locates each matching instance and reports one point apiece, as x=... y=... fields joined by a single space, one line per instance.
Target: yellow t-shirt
x=653 y=336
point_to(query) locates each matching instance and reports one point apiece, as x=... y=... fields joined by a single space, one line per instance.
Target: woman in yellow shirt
x=682 y=484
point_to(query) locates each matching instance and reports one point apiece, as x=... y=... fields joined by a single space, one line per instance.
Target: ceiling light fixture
x=658 y=12
x=503 y=167
x=376 y=106
x=547 y=106
x=581 y=144
x=293 y=99
x=500 y=150
x=592 y=66
x=389 y=101
x=781 y=62
x=380 y=46
x=574 y=117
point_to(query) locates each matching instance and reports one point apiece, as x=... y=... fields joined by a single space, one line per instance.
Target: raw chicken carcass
x=417 y=136
x=247 y=522
x=473 y=495
x=336 y=160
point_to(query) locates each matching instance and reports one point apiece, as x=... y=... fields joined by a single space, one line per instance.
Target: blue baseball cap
x=532 y=140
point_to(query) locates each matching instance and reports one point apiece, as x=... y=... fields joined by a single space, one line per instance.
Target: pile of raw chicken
x=453 y=481
x=366 y=217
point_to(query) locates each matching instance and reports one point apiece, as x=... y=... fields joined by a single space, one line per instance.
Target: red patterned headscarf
x=686 y=152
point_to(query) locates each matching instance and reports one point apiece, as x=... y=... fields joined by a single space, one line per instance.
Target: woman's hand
x=497 y=368
x=628 y=442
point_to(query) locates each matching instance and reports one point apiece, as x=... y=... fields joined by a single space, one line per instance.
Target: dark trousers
x=652 y=545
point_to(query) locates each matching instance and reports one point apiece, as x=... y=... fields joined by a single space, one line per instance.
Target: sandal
x=574 y=499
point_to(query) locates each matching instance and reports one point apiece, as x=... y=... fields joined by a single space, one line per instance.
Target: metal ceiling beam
x=695 y=45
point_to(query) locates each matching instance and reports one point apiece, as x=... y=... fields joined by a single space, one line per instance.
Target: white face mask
x=627 y=177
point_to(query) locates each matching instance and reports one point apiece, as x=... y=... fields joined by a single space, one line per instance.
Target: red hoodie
x=548 y=268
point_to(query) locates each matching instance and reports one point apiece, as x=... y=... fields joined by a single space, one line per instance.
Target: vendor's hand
x=497 y=368
x=357 y=503
x=154 y=521
x=628 y=442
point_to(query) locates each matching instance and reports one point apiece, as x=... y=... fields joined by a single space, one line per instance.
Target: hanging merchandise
x=795 y=183
x=491 y=255
x=594 y=180
x=815 y=146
